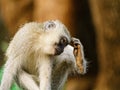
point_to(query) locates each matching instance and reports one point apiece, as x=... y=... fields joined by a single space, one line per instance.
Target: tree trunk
x=106 y=17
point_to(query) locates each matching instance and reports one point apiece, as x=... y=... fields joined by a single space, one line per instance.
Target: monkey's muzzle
x=59 y=47
x=58 y=50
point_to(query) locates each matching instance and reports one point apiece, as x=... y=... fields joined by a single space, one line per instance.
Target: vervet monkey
x=40 y=57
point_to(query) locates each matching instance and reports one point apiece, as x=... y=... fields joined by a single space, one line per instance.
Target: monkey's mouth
x=58 y=50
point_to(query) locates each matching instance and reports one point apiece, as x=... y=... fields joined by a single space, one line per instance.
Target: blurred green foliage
x=4 y=46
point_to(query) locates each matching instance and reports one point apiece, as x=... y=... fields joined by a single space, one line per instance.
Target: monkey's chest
x=30 y=66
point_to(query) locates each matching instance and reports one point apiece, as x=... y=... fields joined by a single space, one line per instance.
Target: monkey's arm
x=74 y=56
x=26 y=80
x=11 y=67
x=79 y=55
x=72 y=59
x=45 y=70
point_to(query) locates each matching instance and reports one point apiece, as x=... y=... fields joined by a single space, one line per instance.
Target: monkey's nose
x=58 y=50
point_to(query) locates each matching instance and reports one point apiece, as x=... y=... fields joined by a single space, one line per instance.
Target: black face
x=61 y=45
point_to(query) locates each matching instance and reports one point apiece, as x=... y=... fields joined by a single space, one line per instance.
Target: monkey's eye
x=49 y=25
x=64 y=41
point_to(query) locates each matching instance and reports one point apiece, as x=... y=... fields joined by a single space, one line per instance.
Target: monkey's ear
x=49 y=25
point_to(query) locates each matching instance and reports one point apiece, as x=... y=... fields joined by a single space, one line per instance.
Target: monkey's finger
x=75 y=52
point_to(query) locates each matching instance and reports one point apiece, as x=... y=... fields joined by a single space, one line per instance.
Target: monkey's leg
x=59 y=76
x=26 y=81
x=65 y=64
x=11 y=67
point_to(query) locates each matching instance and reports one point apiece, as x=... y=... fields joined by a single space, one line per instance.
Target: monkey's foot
x=78 y=54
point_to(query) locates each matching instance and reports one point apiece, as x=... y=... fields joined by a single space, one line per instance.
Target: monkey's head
x=53 y=38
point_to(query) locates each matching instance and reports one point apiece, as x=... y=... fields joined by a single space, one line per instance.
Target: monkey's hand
x=78 y=54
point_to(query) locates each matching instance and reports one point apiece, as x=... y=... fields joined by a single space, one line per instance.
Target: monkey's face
x=54 y=38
